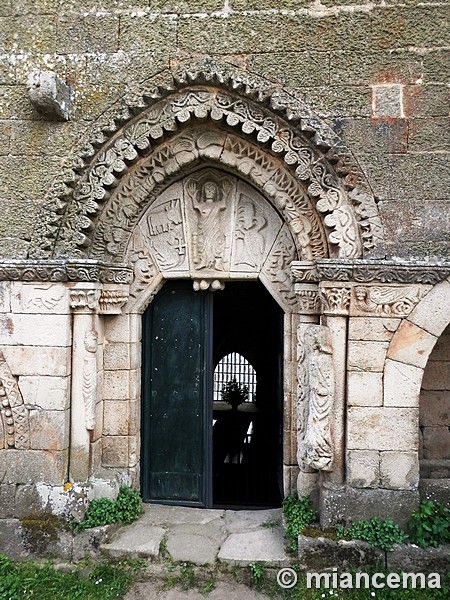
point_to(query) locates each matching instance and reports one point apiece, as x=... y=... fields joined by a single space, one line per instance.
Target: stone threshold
x=202 y=536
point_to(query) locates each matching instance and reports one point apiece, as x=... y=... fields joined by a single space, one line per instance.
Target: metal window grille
x=235 y=366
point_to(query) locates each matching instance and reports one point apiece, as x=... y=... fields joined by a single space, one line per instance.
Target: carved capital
x=85 y=300
x=335 y=300
x=308 y=298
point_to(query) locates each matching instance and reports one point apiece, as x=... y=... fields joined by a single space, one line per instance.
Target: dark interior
x=247 y=467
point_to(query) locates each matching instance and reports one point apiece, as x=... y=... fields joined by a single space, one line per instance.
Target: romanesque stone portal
x=212 y=177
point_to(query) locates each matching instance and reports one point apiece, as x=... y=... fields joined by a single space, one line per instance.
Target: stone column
x=84 y=302
x=335 y=298
x=309 y=310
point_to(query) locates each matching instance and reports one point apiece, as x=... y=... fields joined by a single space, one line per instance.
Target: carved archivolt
x=265 y=135
x=14 y=415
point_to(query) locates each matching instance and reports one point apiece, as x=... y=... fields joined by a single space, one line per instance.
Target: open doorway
x=196 y=449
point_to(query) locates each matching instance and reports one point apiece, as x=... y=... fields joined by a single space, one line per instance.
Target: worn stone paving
x=203 y=536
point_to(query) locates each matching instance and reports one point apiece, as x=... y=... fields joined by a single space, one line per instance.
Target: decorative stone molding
x=386 y=301
x=369 y=271
x=14 y=415
x=323 y=169
x=64 y=270
x=315 y=397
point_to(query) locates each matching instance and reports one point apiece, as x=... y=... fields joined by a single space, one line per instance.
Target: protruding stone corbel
x=49 y=95
x=111 y=301
x=213 y=285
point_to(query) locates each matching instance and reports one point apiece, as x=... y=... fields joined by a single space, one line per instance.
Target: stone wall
x=376 y=73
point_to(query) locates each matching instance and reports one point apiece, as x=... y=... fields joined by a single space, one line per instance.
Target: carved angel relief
x=316 y=391
x=14 y=415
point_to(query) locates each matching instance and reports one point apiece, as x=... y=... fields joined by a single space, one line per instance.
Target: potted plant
x=234 y=394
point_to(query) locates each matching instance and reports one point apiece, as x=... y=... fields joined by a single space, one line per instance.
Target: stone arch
x=407 y=358
x=412 y=344
x=266 y=134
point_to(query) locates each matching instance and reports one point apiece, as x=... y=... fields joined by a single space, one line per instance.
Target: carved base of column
x=344 y=504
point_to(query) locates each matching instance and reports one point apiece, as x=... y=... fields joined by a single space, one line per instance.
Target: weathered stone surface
x=87 y=543
x=11 y=539
x=431 y=314
x=195 y=543
x=435 y=489
x=434 y=407
x=372 y=329
x=436 y=376
x=363 y=468
x=366 y=356
x=46 y=393
x=401 y=384
x=138 y=541
x=49 y=95
x=247 y=520
x=49 y=429
x=116 y=385
x=383 y=428
x=87 y=33
x=365 y=388
x=337 y=504
x=38 y=360
x=47 y=330
x=436 y=442
x=412 y=559
x=29 y=466
x=264 y=546
x=399 y=470
x=387 y=101
x=294 y=69
x=411 y=345
x=376 y=68
x=145 y=31
x=115 y=451
x=7 y=500
x=115 y=417
x=322 y=554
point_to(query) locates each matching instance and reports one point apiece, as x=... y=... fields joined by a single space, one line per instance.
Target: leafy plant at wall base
x=429 y=525
x=103 y=511
x=381 y=533
x=299 y=513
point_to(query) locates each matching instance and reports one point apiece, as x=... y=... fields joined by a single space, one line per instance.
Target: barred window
x=234 y=366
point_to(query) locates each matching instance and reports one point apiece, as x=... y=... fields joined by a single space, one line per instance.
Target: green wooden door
x=177 y=394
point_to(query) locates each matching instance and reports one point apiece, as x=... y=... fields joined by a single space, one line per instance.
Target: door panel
x=175 y=432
